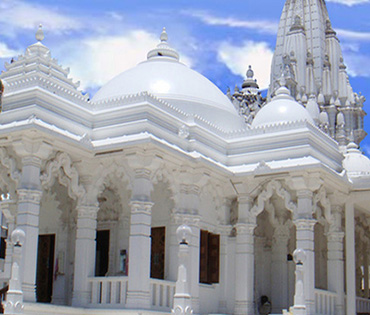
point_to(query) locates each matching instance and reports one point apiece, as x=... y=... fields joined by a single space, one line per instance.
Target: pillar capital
x=29 y=195
x=245 y=228
x=87 y=212
x=305 y=224
x=304 y=183
x=32 y=148
x=144 y=207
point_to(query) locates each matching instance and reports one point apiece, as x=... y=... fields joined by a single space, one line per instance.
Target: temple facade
x=271 y=194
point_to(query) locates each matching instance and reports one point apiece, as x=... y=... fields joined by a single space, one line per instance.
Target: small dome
x=355 y=163
x=313 y=108
x=282 y=109
x=164 y=76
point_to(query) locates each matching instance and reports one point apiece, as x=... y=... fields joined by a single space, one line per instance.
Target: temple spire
x=308 y=52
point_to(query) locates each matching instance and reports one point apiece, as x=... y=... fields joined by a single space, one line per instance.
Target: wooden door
x=45 y=268
x=158 y=252
x=102 y=253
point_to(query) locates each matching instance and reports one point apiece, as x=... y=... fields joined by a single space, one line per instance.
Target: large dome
x=165 y=77
x=282 y=109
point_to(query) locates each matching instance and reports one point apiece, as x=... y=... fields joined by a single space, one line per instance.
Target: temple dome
x=355 y=163
x=165 y=77
x=282 y=109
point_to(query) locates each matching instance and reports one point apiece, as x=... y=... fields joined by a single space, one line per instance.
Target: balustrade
x=108 y=291
x=162 y=293
x=362 y=305
x=111 y=292
x=325 y=302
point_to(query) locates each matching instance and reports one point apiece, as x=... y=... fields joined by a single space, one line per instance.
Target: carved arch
x=9 y=163
x=61 y=167
x=322 y=207
x=266 y=194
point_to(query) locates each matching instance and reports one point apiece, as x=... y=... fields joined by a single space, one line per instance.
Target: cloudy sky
x=99 y=39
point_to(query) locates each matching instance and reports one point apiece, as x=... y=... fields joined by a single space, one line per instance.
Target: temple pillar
x=350 y=258
x=335 y=238
x=305 y=237
x=138 y=295
x=29 y=196
x=244 y=259
x=225 y=232
x=366 y=270
x=85 y=251
x=279 y=269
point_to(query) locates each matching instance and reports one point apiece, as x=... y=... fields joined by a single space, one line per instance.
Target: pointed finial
x=164 y=36
x=250 y=73
x=40 y=34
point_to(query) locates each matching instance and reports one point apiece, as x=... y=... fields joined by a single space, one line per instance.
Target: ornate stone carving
x=29 y=196
x=61 y=167
x=10 y=164
x=325 y=212
x=141 y=207
x=266 y=194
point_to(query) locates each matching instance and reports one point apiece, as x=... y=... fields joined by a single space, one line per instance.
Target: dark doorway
x=45 y=268
x=102 y=253
x=158 y=252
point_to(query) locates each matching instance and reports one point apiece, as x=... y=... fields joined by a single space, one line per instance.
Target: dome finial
x=250 y=73
x=164 y=36
x=40 y=34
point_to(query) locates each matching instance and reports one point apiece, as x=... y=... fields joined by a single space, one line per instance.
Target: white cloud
x=94 y=61
x=262 y=26
x=349 y=3
x=17 y=14
x=352 y=35
x=257 y=54
x=355 y=63
x=6 y=52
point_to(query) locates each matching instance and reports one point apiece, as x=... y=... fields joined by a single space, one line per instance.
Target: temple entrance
x=45 y=264
x=102 y=253
x=158 y=252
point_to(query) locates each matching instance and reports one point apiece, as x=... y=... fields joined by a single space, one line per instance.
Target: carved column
x=138 y=295
x=350 y=258
x=366 y=269
x=85 y=251
x=279 y=269
x=225 y=232
x=29 y=195
x=244 y=260
x=306 y=240
x=335 y=238
x=7 y=209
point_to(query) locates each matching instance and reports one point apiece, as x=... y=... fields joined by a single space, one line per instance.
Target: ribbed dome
x=165 y=77
x=355 y=163
x=282 y=109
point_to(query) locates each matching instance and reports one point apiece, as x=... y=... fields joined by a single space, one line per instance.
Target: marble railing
x=362 y=305
x=162 y=293
x=111 y=292
x=325 y=302
x=108 y=291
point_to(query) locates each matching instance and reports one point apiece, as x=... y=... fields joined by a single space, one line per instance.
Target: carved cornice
x=29 y=196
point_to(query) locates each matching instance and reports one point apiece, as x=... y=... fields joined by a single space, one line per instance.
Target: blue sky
x=100 y=39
